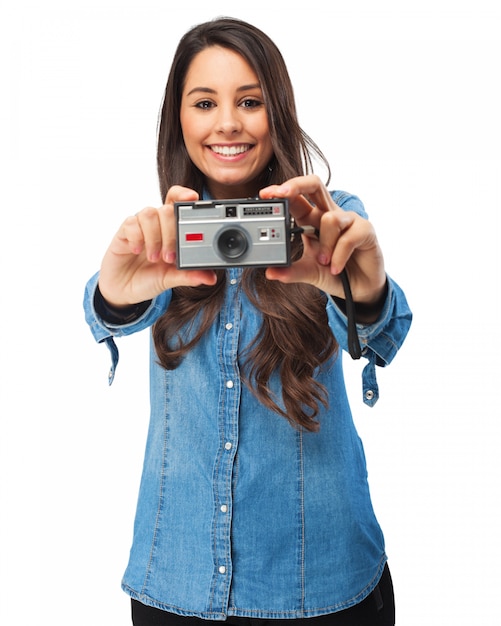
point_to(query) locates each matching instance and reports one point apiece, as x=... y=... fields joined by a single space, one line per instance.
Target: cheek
x=191 y=127
x=262 y=131
x=191 y=138
x=186 y=127
x=266 y=141
x=262 y=128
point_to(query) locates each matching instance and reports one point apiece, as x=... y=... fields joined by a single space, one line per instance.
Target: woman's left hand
x=345 y=240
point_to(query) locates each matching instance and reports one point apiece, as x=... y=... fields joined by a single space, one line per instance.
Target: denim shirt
x=239 y=513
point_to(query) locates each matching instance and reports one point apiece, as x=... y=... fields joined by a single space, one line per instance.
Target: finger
x=168 y=229
x=149 y=223
x=336 y=241
x=130 y=237
x=306 y=270
x=298 y=272
x=177 y=193
x=308 y=198
x=194 y=278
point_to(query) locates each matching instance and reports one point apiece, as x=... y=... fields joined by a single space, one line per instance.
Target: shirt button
x=229 y=326
x=224 y=508
x=222 y=569
x=369 y=394
x=233 y=281
x=228 y=445
x=229 y=384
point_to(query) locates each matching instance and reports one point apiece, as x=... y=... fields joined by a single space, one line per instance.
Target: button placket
x=228 y=421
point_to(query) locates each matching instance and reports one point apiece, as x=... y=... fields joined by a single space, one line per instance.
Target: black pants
x=378 y=609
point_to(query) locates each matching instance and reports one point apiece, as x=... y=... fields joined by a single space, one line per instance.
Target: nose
x=228 y=120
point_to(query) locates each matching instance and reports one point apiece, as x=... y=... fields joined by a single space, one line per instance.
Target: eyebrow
x=213 y=91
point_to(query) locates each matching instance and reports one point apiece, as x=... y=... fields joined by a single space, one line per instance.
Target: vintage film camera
x=227 y=233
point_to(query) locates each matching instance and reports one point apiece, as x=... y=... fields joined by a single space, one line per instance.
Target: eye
x=251 y=103
x=204 y=104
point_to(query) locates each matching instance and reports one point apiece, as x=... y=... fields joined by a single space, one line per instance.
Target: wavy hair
x=294 y=339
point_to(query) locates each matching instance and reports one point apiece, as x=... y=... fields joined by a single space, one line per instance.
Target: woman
x=254 y=503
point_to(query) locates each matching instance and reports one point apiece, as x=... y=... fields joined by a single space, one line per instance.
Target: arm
x=347 y=241
x=138 y=272
x=105 y=328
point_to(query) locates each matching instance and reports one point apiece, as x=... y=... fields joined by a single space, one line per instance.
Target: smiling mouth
x=231 y=150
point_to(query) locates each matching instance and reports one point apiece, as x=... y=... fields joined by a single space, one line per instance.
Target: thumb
x=305 y=270
x=302 y=271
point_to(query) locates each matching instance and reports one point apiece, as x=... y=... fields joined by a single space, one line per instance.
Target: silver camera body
x=229 y=233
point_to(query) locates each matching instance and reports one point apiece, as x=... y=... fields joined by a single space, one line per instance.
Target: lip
x=230 y=151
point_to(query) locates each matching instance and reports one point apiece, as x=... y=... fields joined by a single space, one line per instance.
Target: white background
x=403 y=98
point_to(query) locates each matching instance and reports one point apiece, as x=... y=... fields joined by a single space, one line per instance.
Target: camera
x=229 y=233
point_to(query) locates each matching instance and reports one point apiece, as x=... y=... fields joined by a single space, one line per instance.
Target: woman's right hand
x=140 y=262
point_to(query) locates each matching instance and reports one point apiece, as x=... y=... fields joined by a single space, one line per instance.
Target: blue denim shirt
x=238 y=512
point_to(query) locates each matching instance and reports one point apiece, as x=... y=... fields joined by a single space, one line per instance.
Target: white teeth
x=229 y=150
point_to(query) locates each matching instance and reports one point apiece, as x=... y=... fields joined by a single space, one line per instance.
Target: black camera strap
x=353 y=342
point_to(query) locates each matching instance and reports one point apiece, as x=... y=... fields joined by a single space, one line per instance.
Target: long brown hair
x=294 y=339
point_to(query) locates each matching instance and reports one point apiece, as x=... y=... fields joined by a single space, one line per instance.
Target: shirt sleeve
x=106 y=332
x=379 y=341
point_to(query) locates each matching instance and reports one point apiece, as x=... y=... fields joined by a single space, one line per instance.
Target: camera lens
x=232 y=243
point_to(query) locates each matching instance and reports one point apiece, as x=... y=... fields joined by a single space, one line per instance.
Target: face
x=224 y=123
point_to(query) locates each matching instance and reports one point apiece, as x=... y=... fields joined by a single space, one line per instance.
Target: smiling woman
x=265 y=85
x=225 y=122
x=254 y=501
